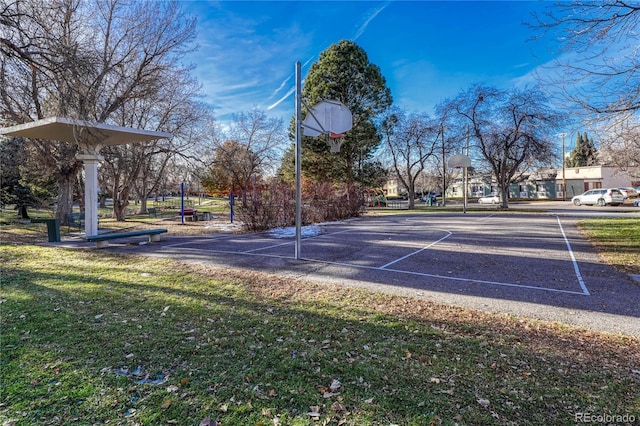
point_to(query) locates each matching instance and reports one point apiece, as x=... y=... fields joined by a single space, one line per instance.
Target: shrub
x=322 y=202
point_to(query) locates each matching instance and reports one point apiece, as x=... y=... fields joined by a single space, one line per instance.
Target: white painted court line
x=486 y=217
x=573 y=259
x=199 y=250
x=468 y=280
x=385 y=267
x=191 y=241
x=449 y=233
x=288 y=243
x=292 y=242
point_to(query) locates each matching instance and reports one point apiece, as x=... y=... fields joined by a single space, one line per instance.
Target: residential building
x=548 y=183
x=581 y=179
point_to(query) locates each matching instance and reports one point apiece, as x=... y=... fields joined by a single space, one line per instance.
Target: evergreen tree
x=584 y=154
x=343 y=72
x=22 y=181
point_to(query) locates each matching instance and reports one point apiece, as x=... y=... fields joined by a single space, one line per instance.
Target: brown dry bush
x=322 y=202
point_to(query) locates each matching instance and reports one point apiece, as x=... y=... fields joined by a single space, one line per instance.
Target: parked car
x=601 y=197
x=489 y=199
x=628 y=192
x=425 y=198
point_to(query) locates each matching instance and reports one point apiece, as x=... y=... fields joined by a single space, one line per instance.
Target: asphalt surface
x=531 y=264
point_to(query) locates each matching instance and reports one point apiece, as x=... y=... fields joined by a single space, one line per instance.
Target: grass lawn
x=90 y=337
x=617 y=239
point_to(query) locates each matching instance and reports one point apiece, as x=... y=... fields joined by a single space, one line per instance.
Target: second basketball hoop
x=331 y=118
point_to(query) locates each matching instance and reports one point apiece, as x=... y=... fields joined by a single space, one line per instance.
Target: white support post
x=90 y=192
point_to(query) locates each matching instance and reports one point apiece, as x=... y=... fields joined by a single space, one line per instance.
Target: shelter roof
x=81 y=132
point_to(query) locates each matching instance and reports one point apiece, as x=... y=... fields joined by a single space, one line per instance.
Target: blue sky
x=427 y=50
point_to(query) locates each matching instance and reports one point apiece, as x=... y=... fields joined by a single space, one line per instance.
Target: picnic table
x=190 y=213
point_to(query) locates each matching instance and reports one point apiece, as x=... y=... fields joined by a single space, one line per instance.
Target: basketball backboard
x=459 y=161
x=327 y=116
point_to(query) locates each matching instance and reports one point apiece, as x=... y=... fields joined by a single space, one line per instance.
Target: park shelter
x=90 y=138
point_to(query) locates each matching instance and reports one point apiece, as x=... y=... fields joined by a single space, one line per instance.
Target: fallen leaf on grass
x=483 y=402
x=166 y=403
x=314 y=412
x=332 y=389
x=338 y=407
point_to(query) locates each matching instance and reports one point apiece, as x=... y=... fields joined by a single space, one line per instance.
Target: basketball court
x=534 y=264
x=517 y=251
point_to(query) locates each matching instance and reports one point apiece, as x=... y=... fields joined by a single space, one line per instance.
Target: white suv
x=600 y=197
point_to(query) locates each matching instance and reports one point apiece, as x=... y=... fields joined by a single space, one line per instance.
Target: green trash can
x=53 y=228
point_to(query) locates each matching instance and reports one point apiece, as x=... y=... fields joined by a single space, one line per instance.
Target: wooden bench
x=76 y=220
x=102 y=240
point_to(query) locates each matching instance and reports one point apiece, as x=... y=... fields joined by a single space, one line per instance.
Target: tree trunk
x=78 y=190
x=102 y=200
x=120 y=200
x=143 y=205
x=22 y=212
x=412 y=194
x=504 y=197
x=66 y=182
x=120 y=208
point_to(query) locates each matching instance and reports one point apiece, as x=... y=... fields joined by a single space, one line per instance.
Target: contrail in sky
x=279 y=101
x=286 y=95
x=368 y=18
x=371 y=14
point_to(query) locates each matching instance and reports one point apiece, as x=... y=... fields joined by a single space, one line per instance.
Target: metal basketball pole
x=298 y=161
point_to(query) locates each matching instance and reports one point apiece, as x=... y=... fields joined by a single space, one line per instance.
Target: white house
x=580 y=179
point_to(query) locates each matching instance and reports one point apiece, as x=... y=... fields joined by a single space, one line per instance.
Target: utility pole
x=465 y=177
x=444 y=169
x=564 y=183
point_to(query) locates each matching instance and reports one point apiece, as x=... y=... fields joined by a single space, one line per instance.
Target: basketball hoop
x=459 y=161
x=335 y=141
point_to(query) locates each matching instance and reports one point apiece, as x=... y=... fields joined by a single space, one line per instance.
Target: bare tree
x=87 y=59
x=511 y=129
x=139 y=168
x=620 y=146
x=600 y=69
x=252 y=147
x=231 y=168
x=411 y=140
x=262 y=135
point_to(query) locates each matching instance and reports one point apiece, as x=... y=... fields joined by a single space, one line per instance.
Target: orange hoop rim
x=336 y=135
